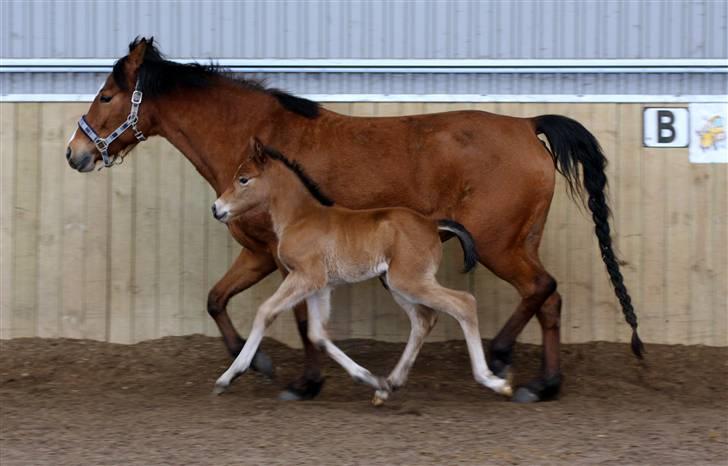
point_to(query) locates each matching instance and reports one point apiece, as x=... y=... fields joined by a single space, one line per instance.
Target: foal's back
x=355 y=245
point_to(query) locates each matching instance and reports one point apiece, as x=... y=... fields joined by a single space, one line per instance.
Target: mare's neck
x=212 y=126
x=290 y=201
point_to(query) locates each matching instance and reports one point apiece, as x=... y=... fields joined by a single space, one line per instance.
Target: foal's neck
x=289 y=200
x=212 y=126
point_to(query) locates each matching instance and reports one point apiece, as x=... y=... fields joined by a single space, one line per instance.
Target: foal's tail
x=571 y=145
x=466 y=241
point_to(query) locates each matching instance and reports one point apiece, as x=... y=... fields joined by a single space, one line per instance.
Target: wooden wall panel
x=130 y=254
x=8 y=179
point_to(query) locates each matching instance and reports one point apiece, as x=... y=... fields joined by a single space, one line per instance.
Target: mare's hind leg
x=319 y=307
x=293 y=289
x=463 y=308
x=538 y=296
x=422 y=320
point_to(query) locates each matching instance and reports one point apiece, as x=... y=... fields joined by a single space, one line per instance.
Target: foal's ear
x=257 y=151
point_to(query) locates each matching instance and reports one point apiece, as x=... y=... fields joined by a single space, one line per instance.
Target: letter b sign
x=665 y=127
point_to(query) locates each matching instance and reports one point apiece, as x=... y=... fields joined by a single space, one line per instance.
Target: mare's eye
x=105 y=99
x=243 y=181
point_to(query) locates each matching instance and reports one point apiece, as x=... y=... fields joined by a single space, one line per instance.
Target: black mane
x=294 y=166
x=158 y=76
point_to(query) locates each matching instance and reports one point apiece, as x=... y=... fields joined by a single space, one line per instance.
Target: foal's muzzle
x=219 y=214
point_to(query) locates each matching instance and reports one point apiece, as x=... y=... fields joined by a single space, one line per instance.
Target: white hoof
x=221 y=386
x=380 y=396
x=219 y=389
x=498 y=385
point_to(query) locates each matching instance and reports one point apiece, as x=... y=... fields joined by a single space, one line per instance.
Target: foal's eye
x=105 y=99
x=243 y=181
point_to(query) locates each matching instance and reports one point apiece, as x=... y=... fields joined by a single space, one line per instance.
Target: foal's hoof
x=302 y=389
x=380 y=396
x=262 y=363
x=219 y=389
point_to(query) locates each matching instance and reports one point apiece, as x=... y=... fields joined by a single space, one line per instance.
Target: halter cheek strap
x=102 y=144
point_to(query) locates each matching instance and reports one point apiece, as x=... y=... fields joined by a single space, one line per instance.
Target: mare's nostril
x=214 y=211
x=68 y=153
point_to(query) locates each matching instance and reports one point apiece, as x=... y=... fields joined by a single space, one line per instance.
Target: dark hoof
x=538 y=390
x=301 y=390
x=499 y=362
x=525 y=395
x=263 y=364
x=504 y=372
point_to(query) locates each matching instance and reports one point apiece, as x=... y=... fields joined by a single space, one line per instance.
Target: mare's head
x=110 y=109
x=250 y=188
x=113 y=125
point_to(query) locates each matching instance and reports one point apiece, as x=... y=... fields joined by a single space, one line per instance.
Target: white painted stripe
x=545 y=98
x=100 y=65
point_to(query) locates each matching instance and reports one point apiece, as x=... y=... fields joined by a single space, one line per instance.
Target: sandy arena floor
x=83 y=402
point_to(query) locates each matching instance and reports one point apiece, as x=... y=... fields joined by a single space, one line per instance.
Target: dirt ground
x=83 y=402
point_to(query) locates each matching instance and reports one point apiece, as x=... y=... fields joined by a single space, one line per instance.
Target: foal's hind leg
x=463 y=308
x=422 y=320
x=319 y=306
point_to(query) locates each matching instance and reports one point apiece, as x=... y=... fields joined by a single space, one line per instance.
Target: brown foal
x=491 y=173
x=321 y=246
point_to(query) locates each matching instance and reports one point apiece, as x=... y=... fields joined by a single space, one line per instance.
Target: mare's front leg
x=248 y=269
x=292 y=291
x=308 y=385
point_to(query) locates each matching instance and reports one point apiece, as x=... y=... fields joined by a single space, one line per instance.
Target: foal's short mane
x=158 y=76
x=294 y=166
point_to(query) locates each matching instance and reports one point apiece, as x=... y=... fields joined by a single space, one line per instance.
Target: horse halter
x=102 y=144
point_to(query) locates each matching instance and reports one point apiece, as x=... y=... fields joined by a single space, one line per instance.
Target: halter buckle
x=136 y=97
x=101 y=144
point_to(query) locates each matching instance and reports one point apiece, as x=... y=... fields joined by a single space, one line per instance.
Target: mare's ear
x=257 y=152
x=134 y=60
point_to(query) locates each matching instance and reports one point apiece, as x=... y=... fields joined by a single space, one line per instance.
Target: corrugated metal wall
x=525 y=29
x=644 y=84
x=130 y=253
x=370 y=29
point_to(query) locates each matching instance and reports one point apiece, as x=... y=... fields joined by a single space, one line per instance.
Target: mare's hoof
x=503 y=371
x=539 y=390
x=525 y=395
x=262 y=363
x=302 y=389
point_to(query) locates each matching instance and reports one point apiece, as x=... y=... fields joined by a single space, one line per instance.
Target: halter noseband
x=102 y=144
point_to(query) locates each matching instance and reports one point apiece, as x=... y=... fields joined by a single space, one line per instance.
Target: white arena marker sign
x=666 y=127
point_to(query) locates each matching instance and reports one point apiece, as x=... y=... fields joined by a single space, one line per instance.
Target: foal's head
x=249 y=190
x=251 y=187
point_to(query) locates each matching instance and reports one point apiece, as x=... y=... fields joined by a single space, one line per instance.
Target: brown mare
x=491 y=173
x=321 y=246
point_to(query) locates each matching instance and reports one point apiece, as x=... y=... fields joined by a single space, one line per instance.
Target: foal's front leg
x=292 y=291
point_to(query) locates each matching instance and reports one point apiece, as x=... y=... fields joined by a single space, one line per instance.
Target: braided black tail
x=573 y=145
